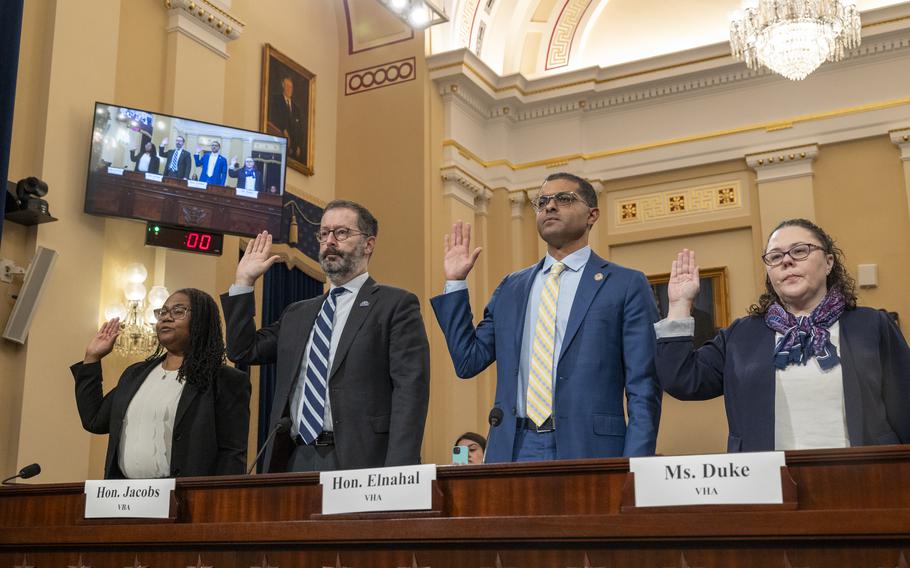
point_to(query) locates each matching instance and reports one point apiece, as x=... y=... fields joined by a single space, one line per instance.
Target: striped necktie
x=173 y=165
x=310 y=420
x=539 y=404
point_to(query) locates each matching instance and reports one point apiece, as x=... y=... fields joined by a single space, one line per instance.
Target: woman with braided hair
x=806 y=368
x=181 y=412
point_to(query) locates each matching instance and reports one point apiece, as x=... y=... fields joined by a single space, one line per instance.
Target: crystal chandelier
x=137 y=318
x=794 y=37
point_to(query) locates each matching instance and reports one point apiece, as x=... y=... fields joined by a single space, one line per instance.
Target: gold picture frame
x=710 y=313
x=290 y=116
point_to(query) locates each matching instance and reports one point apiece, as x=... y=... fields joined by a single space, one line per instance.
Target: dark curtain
x=10 y=30
x=280 y=288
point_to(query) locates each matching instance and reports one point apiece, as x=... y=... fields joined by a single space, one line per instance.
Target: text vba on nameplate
x=716 y=479
x=404 y=488
x=128 y=498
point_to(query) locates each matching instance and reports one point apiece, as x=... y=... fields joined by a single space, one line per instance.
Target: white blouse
x=148 y=426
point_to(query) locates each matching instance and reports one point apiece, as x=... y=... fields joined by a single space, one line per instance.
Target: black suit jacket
x=379 y=384
x=210 y=428
x=291 y=120
x=240 y=174
x=738 y=364
x=154 y=165
x=184 y=163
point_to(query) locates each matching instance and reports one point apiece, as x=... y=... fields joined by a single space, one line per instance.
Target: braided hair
x=204 y=355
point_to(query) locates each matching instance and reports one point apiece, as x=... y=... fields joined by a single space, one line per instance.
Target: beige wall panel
x=861 y=201
x=50 y=431
x=142 y=56
x=785 y=199
x=696 y=427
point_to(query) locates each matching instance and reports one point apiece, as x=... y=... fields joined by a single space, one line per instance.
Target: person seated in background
x=212 y=166
x=476 y=445
x=177 y=162
x=181 y=412
x=806 y=368
x=247 y=176
x=147 y=160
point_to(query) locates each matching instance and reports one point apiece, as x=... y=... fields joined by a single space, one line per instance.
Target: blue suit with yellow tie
x=607 y=351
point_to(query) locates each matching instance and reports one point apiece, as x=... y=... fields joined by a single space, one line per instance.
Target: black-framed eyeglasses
x=177 y=312
x=799 y=251
x=562 y=199
x=341 y=234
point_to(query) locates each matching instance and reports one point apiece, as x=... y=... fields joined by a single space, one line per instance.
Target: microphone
x=495 y=416
x=283 y=425
x=25 y=473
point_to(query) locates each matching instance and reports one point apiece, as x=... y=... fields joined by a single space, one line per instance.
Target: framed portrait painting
x=711 y=307
x=287 y=106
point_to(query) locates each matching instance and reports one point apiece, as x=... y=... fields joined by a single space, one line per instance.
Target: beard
x=344 y=264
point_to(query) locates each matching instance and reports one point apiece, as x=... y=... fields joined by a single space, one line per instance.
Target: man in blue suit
x=570 y=335
x=213 y=166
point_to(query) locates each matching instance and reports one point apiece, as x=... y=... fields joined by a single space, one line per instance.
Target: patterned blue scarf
x=805 y=336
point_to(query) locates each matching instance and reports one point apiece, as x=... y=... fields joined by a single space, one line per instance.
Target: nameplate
x=153 y=177
x=405 y=488
x=196 y=184
x=128 y=498
x=716 y=479
x=248 y=193
x=115 y=171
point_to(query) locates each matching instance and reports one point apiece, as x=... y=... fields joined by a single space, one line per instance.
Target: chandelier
x=137 y=318
x=419 y=14
x=794 y=37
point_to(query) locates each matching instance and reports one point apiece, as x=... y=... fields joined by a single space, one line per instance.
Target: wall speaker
x=20 y=319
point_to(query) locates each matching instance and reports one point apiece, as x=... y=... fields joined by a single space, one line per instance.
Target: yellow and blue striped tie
x=540 y=377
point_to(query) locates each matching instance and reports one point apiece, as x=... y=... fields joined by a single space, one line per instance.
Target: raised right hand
x=256 y=260
x=683 y=286
x=103 y=342
x=459 y=259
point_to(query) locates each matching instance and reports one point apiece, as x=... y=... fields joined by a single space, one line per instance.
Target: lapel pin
x=364 y=304
x=598 y=277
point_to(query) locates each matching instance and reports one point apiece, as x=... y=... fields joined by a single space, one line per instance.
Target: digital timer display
x=180 y=238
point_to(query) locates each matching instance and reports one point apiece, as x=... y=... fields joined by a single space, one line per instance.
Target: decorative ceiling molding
x=463 y=75
x=559 y=50
x=901 y=138
x=204 y=22
x=786 y=163
x=462 y=186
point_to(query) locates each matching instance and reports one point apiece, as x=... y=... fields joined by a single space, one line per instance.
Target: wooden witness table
x=852 y=510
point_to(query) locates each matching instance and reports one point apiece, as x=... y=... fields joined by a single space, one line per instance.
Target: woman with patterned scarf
x=806 y=368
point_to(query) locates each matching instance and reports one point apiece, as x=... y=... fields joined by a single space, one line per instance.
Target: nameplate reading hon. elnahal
x=404 y=488
x=128 y=498
x=716 y=479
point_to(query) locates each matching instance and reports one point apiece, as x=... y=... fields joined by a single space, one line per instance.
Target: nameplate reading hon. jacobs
x=716 y=479
x=128 y=498
x=404 y=488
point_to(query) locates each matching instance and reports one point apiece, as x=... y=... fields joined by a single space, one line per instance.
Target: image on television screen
x=178 y=171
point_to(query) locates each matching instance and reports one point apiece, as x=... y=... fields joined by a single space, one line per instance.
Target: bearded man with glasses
x=353 y=378
x=571 y=336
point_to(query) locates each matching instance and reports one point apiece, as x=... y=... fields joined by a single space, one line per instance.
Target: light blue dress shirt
x=568 y=285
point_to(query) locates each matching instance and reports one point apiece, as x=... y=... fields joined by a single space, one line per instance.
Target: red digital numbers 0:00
x=198 y=241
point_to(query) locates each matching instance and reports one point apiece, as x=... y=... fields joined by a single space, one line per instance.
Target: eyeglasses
x=800 y=251
x=178 y=312
x=341 y=234
x=562 y=199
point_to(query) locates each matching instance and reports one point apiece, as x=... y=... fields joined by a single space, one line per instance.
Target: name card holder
x=173 y=514
x=788 y=489
x=435 y=510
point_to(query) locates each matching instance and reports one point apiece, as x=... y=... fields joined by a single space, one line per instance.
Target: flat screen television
x=179 y=171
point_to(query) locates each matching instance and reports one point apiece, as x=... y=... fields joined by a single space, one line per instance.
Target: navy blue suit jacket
x=608 y=347
x=737 y=363
x=219 y=174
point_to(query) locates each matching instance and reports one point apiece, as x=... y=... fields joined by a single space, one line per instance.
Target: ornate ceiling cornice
x=204 y=22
